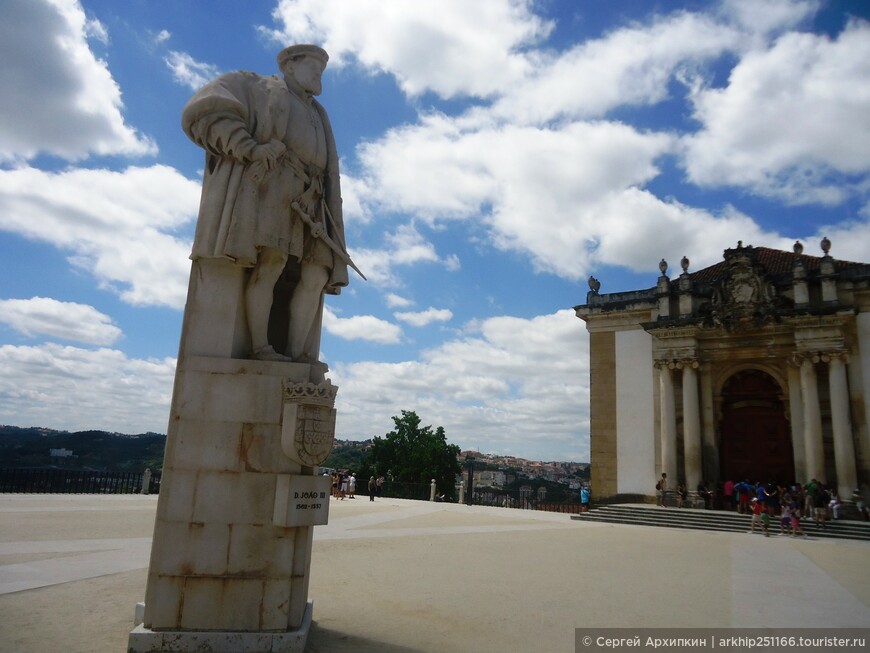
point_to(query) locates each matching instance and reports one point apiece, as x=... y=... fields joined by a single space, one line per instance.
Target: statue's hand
x=268 y=154
x=316 y=230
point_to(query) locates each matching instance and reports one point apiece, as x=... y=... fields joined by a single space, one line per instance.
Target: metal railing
x=524 y=501
x=70 y=481
x=396 y=490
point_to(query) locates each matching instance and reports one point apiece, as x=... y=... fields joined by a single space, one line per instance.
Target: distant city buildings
x=503 y=470
x=509 y=468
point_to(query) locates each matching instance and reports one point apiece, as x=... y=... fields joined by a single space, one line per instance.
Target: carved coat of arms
x=743 y=299
x=308 y=430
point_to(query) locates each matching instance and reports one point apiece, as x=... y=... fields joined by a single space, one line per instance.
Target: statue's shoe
x=268 y=353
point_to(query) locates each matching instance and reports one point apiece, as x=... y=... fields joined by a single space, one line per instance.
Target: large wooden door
x=756 y=439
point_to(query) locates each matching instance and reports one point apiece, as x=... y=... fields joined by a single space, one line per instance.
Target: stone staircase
x=714 y=520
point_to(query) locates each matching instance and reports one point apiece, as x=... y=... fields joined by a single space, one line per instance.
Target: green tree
x=351 y=457
x=411 y=454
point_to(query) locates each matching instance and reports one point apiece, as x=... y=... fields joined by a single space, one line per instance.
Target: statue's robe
x=240 y=211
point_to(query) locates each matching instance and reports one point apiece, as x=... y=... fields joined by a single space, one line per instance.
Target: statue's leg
x=304 y=305
x=258 y=296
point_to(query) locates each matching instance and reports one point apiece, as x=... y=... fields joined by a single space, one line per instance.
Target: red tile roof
x=775 y=262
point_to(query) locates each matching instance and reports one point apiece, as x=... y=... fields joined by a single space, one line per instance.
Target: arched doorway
x=756 y=439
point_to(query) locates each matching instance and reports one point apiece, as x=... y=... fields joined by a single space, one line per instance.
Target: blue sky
x=494 y=154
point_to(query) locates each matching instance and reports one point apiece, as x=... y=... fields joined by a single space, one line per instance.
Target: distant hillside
x=32 y=447
x=347 y=454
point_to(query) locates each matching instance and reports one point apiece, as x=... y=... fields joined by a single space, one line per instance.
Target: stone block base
x=145 y=640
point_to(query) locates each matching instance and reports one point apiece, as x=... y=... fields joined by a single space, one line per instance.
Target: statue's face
x=307 y=71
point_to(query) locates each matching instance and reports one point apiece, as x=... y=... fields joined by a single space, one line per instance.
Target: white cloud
x=42 y=316
x=162 y=36
x=438 y=45
x=352 y=191
x=641 y=229
x=405 y=246
x=397 y=301
x=189 y=72
x=767 y=16
x=422 y=318
x=433 y=168
x=409 y=247
x=630 y=66
x=793 y=122
x=58 y=98
x=375 y=264
x=361 y=327
x=96 y=30
x=84 y=389
x=116 y=225
x=514 y=385
x=572 y=193
x=553 y=194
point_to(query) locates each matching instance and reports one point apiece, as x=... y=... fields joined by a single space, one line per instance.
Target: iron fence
x=70 y=481
x=524 y=501
x=396 y=490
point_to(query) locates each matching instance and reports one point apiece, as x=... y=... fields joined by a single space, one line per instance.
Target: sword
x=318 y=231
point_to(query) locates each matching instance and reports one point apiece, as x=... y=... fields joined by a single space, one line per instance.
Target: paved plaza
x=398 y=576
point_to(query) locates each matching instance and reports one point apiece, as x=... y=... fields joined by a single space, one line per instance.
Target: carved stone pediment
x=743 y=298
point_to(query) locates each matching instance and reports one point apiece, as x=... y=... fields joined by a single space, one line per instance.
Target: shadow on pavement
x=324 y=640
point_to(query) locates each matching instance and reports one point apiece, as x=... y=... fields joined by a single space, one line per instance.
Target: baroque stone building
x=756 y=367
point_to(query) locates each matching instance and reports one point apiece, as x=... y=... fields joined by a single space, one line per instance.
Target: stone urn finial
x=663 y=266
x=826 y=245
x=684 y=263
x=798 y=248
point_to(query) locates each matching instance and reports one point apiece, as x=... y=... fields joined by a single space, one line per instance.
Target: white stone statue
x=271 y=199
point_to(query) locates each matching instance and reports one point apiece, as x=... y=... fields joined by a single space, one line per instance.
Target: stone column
x=813 y=447
x=710 y=451
x=828 y=275
x=668 y=418
x=796 y=417
x=146 y=481
x=663 y=291
x=844 y=447
x=862 y=322
x=691 y=425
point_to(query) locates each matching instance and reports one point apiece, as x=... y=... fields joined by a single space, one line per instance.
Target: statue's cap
x=295 y=51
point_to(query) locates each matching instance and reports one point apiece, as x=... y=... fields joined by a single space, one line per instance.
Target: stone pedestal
x=239 y=494
x=145 y=640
